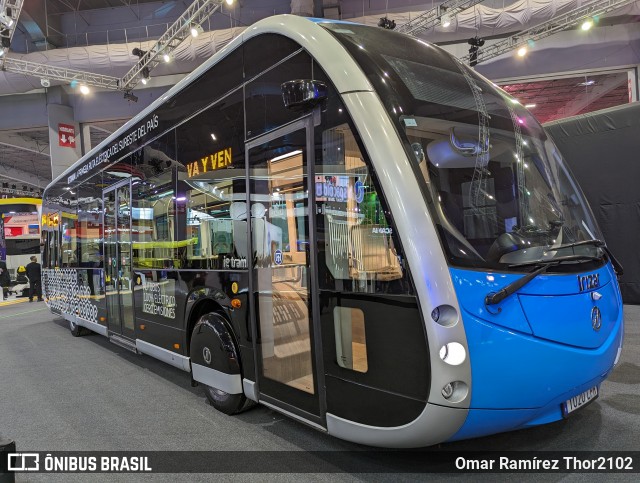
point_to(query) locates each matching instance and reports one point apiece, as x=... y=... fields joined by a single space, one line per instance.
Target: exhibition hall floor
x=58 y=392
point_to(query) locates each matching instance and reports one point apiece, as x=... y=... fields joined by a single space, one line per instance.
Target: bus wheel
x=227 y=403
x=76 y=330
x=214 y=354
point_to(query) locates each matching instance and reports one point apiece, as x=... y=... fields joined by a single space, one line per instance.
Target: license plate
x=579 y=401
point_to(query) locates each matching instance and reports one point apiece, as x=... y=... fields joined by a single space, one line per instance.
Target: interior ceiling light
x=587 y=24
x=522 y=51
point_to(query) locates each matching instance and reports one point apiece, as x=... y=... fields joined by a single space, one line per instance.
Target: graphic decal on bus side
x=63 y=294
x=159 y=298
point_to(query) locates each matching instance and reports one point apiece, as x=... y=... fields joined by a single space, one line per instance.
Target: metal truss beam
x=195 y=14
x=557 y=24
x=44 y=71
x=10 y=10
x=433 y=17
x=198 y=12
x=13 y=140
x=20 y=176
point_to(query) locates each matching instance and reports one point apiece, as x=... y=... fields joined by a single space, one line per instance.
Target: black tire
x=76 y=330
x=227 y=403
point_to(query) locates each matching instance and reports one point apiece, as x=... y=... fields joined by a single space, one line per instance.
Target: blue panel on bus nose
x=578 y=320
x=472 y=287
x=520 y=370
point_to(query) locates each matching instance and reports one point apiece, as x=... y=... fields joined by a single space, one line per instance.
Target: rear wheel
x=77 y=330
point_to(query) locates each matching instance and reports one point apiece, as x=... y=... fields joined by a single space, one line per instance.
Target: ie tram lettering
x=352 y=253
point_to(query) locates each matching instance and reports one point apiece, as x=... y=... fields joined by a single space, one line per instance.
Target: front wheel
x=227 y=403
x=213 y=347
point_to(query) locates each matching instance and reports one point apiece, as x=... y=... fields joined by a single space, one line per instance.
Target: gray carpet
x=58 y=392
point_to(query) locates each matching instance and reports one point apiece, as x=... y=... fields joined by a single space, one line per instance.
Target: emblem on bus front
x=596 y=319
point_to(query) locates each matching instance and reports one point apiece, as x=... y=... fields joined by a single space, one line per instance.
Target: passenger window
x=153 y=212
x=357 y=239
x=89 y=234
x=211 y=195
x=69 y=238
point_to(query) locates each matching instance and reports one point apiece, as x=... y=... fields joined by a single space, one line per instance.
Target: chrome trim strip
x=250 y=390
x=295 y=416
x=230 y=383
x=164 y=355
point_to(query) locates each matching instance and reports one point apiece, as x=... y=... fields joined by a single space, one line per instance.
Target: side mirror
x=302 y=94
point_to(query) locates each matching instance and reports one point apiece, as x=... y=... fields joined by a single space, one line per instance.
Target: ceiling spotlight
x=145 y=75
x=1 y=52
x=587 y=24
x=84 y=89
x=45 y=82
x=229 y=2
x=522 y=51
x=385 y=23
x=446 y=20
x=167 y=58
x=196 y=30
x=213 y=136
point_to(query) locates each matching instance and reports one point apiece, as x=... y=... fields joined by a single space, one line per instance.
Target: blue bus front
x=510 y=216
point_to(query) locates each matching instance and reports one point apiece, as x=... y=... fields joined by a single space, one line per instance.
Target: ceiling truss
x=557 y=24
x=433 y=17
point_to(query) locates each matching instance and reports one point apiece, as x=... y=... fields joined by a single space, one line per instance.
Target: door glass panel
x=279 y=222
x=124 y=250
x=111 y=261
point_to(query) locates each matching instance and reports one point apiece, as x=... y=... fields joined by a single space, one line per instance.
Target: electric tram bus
x=349 y=226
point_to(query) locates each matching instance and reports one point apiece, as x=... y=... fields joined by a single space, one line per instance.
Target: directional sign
x=66 y=136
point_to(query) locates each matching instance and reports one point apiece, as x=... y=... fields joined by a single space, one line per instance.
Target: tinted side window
x=211 y=194
x=262 y=52
x=153 y=204
x=213 y=84
x=263 y=96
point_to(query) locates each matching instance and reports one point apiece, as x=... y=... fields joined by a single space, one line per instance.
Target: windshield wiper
x=617 y=266
x=497 y=297
x=594 y=242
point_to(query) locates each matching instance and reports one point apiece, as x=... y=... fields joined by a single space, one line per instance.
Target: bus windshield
x=496 y=185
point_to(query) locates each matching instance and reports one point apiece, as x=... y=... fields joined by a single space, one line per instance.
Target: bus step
x=124 y=343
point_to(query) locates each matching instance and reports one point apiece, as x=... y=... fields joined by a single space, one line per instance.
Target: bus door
x=117 y=259
x=283 y=284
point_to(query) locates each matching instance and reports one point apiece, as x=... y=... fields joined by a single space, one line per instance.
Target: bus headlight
x=453 y=353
